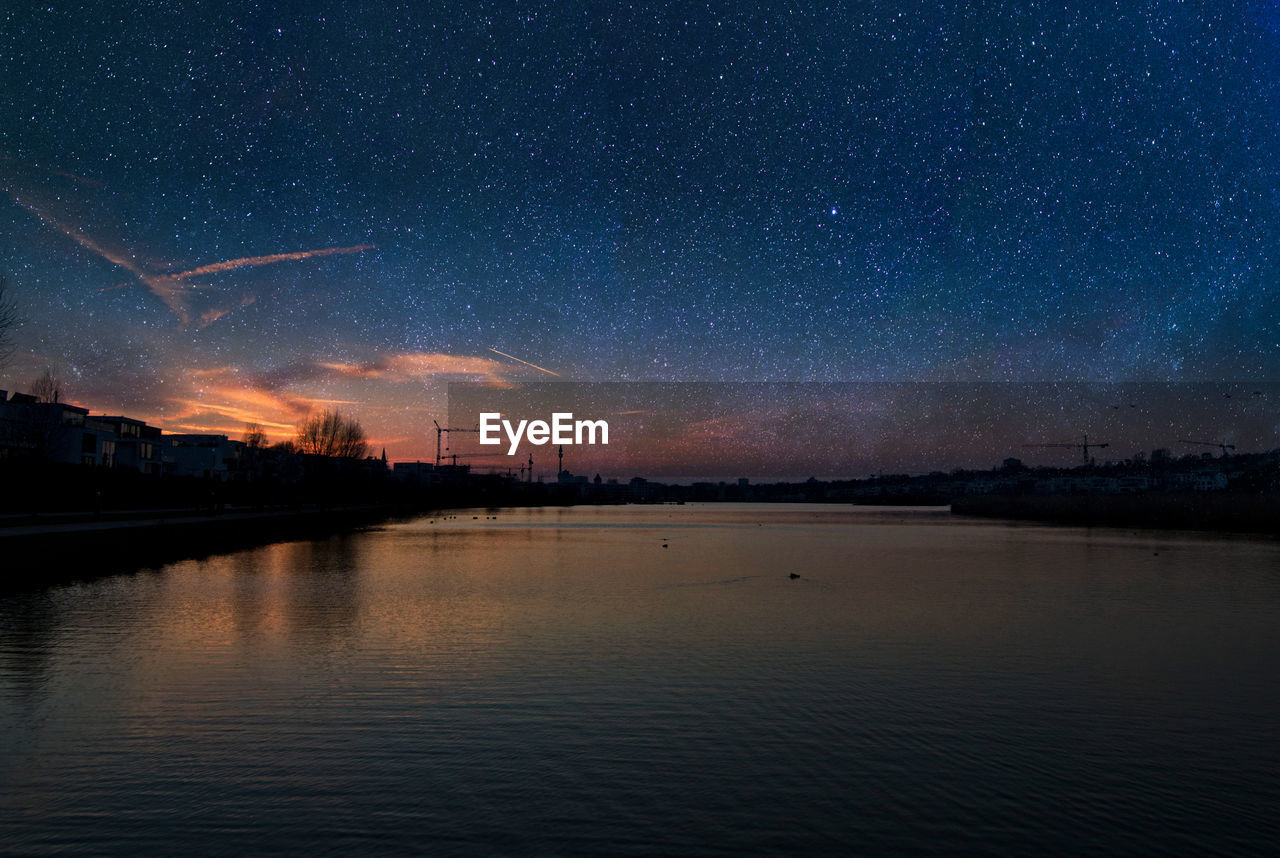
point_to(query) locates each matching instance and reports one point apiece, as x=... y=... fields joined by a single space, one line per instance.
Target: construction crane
x=454 y=457
x=442 y=429
x=1223 y=447
x=1083 y=446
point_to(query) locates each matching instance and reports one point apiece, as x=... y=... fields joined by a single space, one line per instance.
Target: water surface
x=624 y=680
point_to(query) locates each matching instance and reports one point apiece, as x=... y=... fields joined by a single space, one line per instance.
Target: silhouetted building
x=416 y=473
x=133 y=444
x=214 y=457
x=49 y=430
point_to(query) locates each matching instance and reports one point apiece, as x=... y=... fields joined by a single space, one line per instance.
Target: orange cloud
x=194 y=409
x=415 y=366
x=395 y=396
x=258 y=392
x=224 y=398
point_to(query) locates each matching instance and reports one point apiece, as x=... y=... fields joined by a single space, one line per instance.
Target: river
x=692 y=680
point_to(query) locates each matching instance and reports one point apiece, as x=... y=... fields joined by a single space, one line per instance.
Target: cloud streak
x=114 y=257
x=269 y=259
x=171 y=291
x=415 y=366
x=92 y=183
x=173 y=288
x=224 y=398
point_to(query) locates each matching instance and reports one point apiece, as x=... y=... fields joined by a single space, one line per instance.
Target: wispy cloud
x=269 y=259
x=171 y=291
x=225 y=398
x=53 y=171
x=175 y=289
x=414 y=366
x=113 y=256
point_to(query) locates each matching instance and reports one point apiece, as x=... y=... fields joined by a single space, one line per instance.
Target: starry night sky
x=721 y=192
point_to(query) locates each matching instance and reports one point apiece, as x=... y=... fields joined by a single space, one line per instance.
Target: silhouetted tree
x=8 y=321
x=254 y=437
x=47 y=388
x=332 y=433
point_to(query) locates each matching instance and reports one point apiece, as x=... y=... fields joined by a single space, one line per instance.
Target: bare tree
x=8 y=321
x=332 y=433
x=254 y=436
x=48 y=387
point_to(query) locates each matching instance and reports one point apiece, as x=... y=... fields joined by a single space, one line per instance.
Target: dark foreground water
x=558 y=681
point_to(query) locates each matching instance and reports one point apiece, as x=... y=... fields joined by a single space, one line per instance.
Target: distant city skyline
x=216 y=217
x=793 y=431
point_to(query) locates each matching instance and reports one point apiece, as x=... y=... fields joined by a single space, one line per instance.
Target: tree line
x=327 y=433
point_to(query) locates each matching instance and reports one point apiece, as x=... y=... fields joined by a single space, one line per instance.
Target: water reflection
x=557 y=680
x=28 y=632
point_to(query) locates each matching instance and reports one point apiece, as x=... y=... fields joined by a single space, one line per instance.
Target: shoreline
x=42 y=550
x=45 y=554
x=1257 y=514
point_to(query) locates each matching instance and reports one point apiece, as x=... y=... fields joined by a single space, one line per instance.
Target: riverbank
x=58 y=548
x=1217 y=511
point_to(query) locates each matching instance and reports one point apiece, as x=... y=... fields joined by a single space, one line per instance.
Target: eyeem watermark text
x=562 y=429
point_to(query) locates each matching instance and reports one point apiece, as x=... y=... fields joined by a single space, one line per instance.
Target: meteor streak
x=525 y=362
